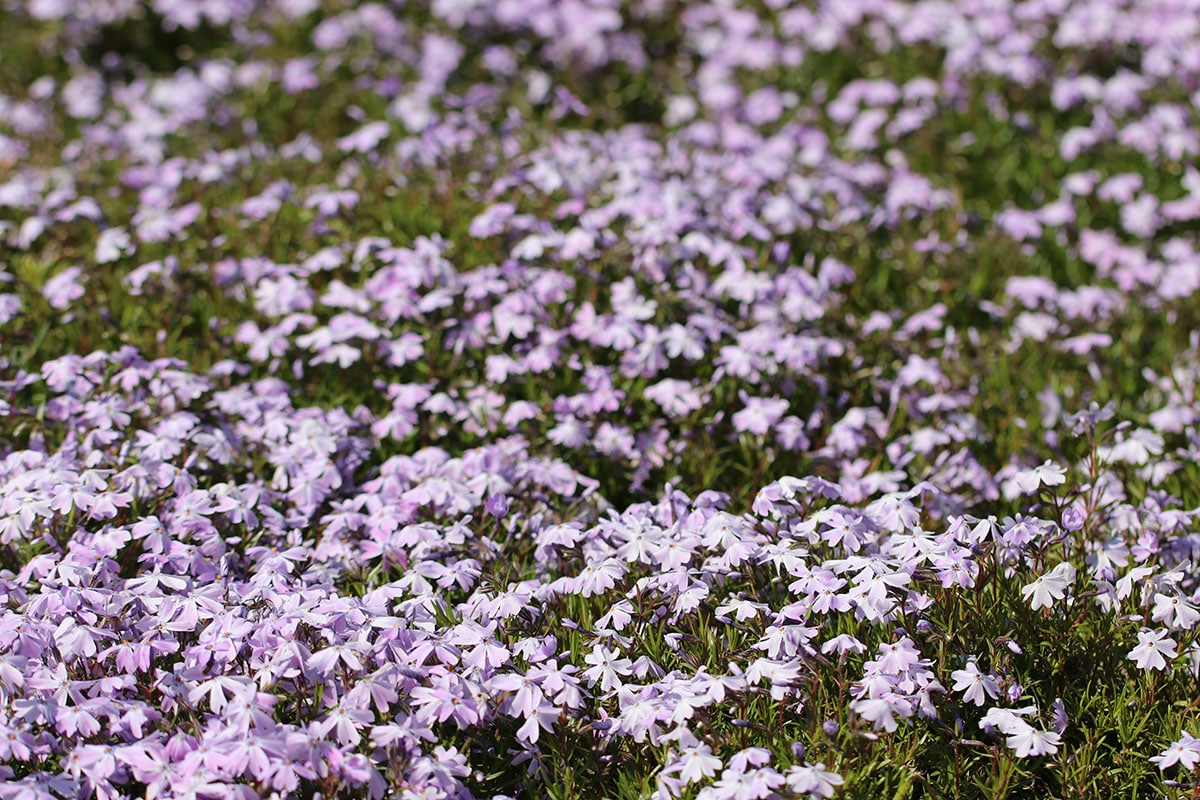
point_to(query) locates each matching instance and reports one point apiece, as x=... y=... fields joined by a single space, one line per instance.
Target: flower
x=759 y=414
x=1153 y=650
x=64 y=288
x=1006 y=720
x=606 y=668
x=1026 y=741
x=541 y=718
x=1174 y=611
x=882 y=711
x=1073 y=519
x=1050 y=587
x=1027 y=481
x=446 y=699
x=813 y=780
x=497 y=506
x=1185 y=752
x=696 y=763
x=975 y=684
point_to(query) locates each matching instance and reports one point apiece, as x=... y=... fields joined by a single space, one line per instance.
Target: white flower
x=882 y=711
x=813 y=779
x=975 y=684
x=1027 y=741
x=697 y=763
x=1050 y=587
x=1135 y=575
x=1006 y=720
x=1027 y=481
x=1186 y=752
x=111 y=244
x=1174 y=611
x=1153 y=650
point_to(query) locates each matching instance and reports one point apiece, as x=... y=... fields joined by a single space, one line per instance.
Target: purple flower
x=1073 y=519
x=64 y=288
x=759 y=414
x=497 y=505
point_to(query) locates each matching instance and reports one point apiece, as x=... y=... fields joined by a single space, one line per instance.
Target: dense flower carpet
x=599 y=398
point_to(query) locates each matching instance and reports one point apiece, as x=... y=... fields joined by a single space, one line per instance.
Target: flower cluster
x=468 y=398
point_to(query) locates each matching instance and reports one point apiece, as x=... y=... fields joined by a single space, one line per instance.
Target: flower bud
x=1072 y=519
x=497 y=506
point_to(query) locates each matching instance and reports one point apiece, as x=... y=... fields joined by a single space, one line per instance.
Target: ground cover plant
x=643 y=398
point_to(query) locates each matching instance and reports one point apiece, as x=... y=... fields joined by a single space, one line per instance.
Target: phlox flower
x=845 y=529
x=111 y=244
x=1153 y=650
x=301 y=759
x=780 y=674
x=1027 y=481
x=741 y=608
x=676 y=398
x=673 y=553
x=148 y=764
x=813 y=780
x=882 y=711
x=1073 y=519
x=1059 y=719
x=1106 y=594
x=527 y=695
x=736 y=784
x=83 y=719
x=782 y=642
x=92 y=761
x=237 y=503
x=823 y=592
x=898 y=657
x=540 y=718
x=1174 y=611
x=64 y=288
x=442 y=701
x=559 y=683
x=975 y=684
x=57 y=684
x=606 y=668
x=1006 y=720
x=1126 y=583
x=1026 y=741
x=955 y=568
x=345 y=721
x=193 y=507
x=324 y=662
x=483 y=651
x=1185 y=752
x=249 y=709
x=843 y=643
x=641 y=719
x=759 y=414
x=598 y=578
x=696 y=763
x=1050 y=587
x=220 y=691
x=617 y=617
x=72 y=495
